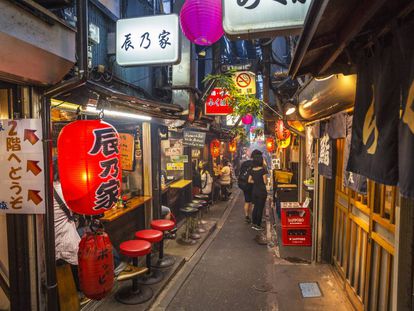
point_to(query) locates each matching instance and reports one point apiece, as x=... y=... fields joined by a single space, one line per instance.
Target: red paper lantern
x=215 y=148
x=282 y=133
x=233 y=146
x=270 y=144
x=96 y=265
x=89 y=166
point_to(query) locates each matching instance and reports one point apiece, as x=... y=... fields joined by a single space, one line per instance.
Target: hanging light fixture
x=89 y=165
x=201 y=21
x=247 y=119
x=215 y=148
x=233 y=146
x=289 y=109
x=281 y=132
x=270 y=144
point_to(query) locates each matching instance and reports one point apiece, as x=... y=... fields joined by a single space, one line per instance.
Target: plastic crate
x=283 y=177
x=298 y=236
x=294 y=216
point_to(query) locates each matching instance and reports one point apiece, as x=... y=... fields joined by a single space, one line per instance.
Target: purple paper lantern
x=247 y=119
x=201 y=21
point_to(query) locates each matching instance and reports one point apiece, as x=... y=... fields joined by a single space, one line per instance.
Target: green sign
x=179 y=158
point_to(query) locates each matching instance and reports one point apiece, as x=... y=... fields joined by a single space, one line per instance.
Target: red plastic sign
x=217 y=103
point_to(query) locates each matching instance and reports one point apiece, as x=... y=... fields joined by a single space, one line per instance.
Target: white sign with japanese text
x=259 y=17
x=149 y=40
x=22 y=187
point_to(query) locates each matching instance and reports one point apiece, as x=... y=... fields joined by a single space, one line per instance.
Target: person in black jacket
x=258 y=177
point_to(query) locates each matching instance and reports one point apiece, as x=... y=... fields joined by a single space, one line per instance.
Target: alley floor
x=235 y=273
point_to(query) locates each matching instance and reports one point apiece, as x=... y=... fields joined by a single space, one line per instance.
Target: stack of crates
x=296 y=228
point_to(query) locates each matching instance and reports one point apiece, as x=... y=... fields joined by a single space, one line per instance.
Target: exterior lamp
x=270 y=144
x=289 y=109
x=247 y=119
x=233 y=146
x=201 y=21
x=215 y=148
x=89 y=165
x=282 y=133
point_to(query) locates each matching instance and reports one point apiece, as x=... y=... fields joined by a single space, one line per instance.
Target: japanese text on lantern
x=21 y=167
x=106 y=144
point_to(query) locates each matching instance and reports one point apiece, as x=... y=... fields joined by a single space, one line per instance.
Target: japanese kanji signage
x=179 y=166
x=149 y=40
x=245 y=82
x=194 y=139
x=22 y=189
x=127 y=151
x=217 y=103
x=259 y=17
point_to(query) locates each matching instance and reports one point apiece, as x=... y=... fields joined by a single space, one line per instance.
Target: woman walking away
x=225 y=180
x=206 y=180
x=258 y=177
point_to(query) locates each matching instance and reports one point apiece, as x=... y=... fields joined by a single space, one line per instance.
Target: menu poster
x=127 y=151
x=175 y=166
x=194 y=139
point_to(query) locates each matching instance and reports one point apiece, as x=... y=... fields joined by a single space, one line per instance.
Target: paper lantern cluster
x=233 y=146
x=270 y=144
x=201 y=21
x=215 y=148
x=89 y=166
x=247 y=119
x=282 y=132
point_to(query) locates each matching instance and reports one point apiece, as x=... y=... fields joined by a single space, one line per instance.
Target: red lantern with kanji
x=89 y=166
x=96 y=265
x=270 y=144
x=215 y=148
x=281 y=132
x=233 y=146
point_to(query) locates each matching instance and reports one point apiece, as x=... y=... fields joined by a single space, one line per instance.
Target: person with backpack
x=244 y=185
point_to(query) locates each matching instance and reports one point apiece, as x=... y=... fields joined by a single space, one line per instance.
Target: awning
x=96 y=94
x=336 y=30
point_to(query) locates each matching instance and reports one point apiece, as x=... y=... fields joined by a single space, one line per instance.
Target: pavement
x=229 y=270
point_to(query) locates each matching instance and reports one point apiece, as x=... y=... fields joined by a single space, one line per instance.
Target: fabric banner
x=325 y=154
x=404 y=43
x=337 y=125
x=374 y=143
x=310 y=153
x=351 y=180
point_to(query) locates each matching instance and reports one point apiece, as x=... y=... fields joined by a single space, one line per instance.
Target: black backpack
x=242 y=181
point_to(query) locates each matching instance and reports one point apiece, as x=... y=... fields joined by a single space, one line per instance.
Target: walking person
x=196 y=180
x=245 y=186
x=258 y=177
x=225 y=180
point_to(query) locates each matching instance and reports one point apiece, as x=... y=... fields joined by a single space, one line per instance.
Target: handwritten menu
x=127 y=151
x=194 y=139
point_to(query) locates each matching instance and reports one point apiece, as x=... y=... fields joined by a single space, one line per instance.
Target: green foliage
x=258 y=131
x=241 y=104
x=239 y=133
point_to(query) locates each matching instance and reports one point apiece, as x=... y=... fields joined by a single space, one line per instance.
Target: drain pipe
x=49 y=219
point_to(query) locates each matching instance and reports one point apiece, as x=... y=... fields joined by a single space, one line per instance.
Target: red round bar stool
x=135 y=294
x=163 y=225
x=152 y=236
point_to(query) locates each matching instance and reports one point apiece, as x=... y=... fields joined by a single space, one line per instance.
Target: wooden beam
x=361 y=15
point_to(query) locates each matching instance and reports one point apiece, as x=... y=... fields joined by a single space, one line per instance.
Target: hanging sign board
x=175 y=166
x=194 y=139
x=22 y=187
x=150 y=40
x=217 y=103
x=180 y=158
x=245 y=82
x=259 y=18
x=127 y=151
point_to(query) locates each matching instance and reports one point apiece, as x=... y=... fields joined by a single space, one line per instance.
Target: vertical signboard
x=126 y=149
x=217 y=103
x=258 y=18
x=150 y=40
x=22 y=187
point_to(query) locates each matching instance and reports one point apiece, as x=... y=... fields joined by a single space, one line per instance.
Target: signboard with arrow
x=22 y=189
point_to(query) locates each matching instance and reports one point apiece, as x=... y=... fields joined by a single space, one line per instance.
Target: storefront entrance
x=363 y=241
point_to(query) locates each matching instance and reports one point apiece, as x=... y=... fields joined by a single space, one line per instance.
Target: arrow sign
x=34 y=196
x=33 y=167
x=30 y=136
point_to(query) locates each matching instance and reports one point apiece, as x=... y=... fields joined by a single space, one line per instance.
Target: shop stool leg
x=152 y=276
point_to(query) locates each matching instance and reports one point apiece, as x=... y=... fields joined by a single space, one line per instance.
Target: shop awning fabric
x=94 y=93
x=336 y=31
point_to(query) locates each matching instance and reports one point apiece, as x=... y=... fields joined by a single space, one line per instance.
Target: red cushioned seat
x=152 y=236
x=135 y=248
x=162 y=224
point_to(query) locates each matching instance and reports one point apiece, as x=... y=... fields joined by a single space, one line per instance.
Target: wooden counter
x=290 y=186
x=180 y=184
x=132 y=204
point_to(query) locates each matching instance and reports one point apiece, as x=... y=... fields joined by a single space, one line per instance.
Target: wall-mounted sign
x=175 y=166
x=217 y=103
x=245 y=82
x=149 y=40
x=195 y=153
x=179 y=158
x=260 y=17
x=127 y=151
x=175 y=151
x=22 y=187
x=194 y=139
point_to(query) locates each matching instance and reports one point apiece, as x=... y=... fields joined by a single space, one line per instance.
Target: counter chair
x=195 y=229
x=135 y=294
x=189 y=213
x=153 y=236
x=204 y=205
x=163 y=225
